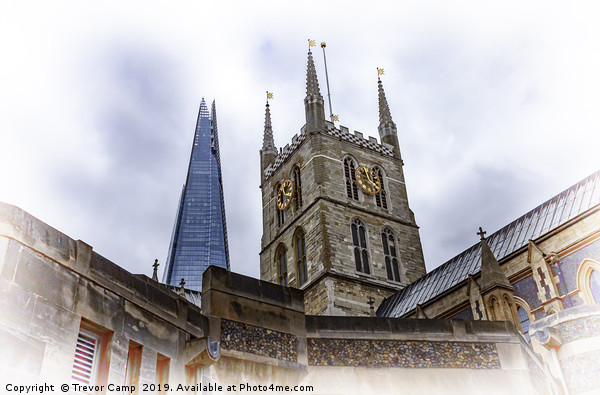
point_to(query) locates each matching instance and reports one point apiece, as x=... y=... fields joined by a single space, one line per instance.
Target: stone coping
x=79 y=257
x=410 y=329
x=222 y=280
x=570 y=314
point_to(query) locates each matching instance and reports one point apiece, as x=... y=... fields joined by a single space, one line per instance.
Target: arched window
x=301 y=258
x=280 y=214
x=595 y=285
x=588 y=281
x=297 y=188
x=391 y=254
x=359 y=239
x=524 y=320
x=381 y=197
x=493 y=309
x=281 y=261
x=351 y=186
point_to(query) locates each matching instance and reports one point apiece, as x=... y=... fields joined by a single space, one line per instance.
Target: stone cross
x=181 y=288
x=481 y=233
x=155 y=272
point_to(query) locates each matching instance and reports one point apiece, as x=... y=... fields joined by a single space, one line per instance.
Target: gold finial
x=323 y=45
x=335 y=118
x=311 y=43
x=379 y=72
x=269 y=96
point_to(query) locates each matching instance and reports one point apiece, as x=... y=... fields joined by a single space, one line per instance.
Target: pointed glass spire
x=312 y=83
x=268 y=142
x=385 y=117
x=200 y=233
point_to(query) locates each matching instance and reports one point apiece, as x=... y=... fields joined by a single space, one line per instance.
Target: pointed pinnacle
x=268 y=142
x=385 y=117
x=491 y=273
x=312 y=83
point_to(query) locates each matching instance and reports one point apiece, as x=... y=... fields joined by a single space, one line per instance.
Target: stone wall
x=50 y=285
x=573 y=336
x=248 y=331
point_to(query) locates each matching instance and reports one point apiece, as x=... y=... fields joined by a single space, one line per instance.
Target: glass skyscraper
x=200 y=233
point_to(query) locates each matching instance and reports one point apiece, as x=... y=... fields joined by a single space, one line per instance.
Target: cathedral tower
x=336 y=219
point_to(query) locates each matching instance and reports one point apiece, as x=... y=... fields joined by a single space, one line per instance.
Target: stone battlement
x=341 y=133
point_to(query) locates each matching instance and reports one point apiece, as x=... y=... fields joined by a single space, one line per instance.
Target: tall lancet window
x=391 y=255
x=297 y=188
x=281 y=260
x=301 y=258
x=359 y=239
x=280 y=214
x=595 y=285
x=351 y=185
x=381 y=197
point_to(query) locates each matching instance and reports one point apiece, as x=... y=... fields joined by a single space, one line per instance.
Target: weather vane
x=379 y=72
x=269 y=96
x=311 y=43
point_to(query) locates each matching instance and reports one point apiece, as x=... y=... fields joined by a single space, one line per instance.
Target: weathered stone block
x=46 y=278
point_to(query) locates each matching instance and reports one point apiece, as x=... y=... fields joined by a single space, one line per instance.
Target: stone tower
x=336 y=219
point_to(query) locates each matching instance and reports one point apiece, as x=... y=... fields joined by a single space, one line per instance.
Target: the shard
x=200 y=233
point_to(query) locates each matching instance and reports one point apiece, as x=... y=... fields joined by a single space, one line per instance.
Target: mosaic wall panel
x=260 y=341
x=536 y=373
x=570 y=264
x=526 y=289
x=402 y=354
x=582 y=372
x=579 y=329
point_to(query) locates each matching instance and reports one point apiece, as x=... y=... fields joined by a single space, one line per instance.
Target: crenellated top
x=340 y=133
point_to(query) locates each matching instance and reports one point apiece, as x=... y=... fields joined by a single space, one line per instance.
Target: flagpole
x=327 y=80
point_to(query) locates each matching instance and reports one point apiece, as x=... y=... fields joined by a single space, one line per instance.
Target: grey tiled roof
x=542 y=219
x=194 y=297
x=342 y=133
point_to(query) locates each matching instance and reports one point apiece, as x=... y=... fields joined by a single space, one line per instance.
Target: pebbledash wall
x=53 y=289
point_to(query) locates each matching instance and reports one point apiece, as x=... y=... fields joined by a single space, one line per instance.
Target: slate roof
x=342 y=133
x=194 y=297
x=560 y=209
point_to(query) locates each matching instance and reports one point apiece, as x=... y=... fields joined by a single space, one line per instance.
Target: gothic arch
x=389 y=243
x=584 y=281
x=281 y=264
x=493 y=307
x=360 y=245
x=524 y=315
x=300 y=255
x=349 y=166
x=297 y=180
x=279 y=214
x=381 y=198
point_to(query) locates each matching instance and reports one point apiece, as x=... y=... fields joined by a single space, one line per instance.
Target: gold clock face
x=368 y=180
x=284 y=194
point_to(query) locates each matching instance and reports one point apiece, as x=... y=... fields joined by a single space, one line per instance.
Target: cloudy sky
x=497 y=106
